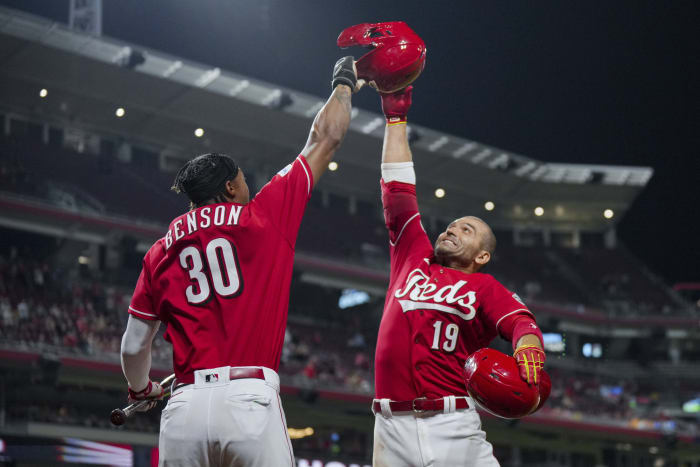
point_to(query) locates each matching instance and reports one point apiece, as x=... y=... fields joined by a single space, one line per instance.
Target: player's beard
x=456 y=258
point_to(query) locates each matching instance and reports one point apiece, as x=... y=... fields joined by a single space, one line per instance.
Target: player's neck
x=453 y=264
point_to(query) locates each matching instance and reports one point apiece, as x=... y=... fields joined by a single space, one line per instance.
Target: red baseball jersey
x=434 y=317
x=220 y=277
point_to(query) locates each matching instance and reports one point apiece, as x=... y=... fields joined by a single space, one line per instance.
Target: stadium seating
x=610 y=280
x=69 y=312
x=46 y=306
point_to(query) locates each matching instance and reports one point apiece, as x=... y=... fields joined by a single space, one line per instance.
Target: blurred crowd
x=49 y=308
x=310 y=361
x=566 y=276
x=622 y=402
x=45 y=307
x=67 y=312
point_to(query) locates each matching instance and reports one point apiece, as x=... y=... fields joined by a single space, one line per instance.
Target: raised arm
x=332 y=121
x=395 y=107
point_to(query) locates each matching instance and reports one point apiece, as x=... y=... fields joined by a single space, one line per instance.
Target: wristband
x=395 y=120
x=140 y=395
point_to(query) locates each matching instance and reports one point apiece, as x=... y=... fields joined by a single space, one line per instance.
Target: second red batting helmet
x=494 y=382
x=397 y=56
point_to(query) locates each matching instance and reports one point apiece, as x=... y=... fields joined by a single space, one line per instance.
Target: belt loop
x=449 y=404
x=386 y=409
x=271 y=378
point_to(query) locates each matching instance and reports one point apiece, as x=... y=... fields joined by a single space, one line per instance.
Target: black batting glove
x=344 y=72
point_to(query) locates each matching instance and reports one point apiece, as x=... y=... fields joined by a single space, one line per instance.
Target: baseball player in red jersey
x=220 y=279
x=439 y=309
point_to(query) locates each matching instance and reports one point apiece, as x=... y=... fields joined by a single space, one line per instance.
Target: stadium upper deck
x=166 y=98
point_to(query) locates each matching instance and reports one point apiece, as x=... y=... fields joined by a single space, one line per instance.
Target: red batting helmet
x=397 y=56
x=494 y=382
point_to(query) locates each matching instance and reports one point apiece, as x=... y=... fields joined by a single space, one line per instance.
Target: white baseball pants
x=431 y=439
x=225 y=423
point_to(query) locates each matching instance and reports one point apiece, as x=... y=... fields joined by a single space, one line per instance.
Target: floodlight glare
x=539 y=210
x=120 y=112
x=199 y=132
x=489 y=206
x=440 y=193
x=608 y=213
x=333 y=166
x=43 y=93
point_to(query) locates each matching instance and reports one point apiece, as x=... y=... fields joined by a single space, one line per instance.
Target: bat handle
x=118 y=416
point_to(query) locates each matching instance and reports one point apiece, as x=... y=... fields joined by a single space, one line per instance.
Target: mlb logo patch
x=517 y=297
x=285 y=171
x=212 y=378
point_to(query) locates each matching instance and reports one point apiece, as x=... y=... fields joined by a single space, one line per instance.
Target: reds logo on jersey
x=422 y=292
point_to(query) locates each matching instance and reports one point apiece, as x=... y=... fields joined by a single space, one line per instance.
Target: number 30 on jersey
x=222 y=266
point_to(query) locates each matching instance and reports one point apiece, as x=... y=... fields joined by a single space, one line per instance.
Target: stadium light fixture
x=608 y=213
x=43 y=93
x=440 y=193
x=539 y=211
x=199 y=132
x=333 y=166
x=120 y=112
x=489 y=206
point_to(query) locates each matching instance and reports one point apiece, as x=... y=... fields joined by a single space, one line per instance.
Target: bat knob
x=117 y=417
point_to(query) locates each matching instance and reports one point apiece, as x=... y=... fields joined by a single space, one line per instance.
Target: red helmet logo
x=494 y=382
x=397 y=56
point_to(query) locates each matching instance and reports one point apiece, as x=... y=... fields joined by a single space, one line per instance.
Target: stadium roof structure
x=168 y=97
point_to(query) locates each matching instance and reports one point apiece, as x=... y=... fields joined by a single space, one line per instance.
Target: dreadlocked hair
x=203 y=179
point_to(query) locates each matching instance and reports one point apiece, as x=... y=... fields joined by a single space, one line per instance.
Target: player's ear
x=231 y=188
x=482 y=258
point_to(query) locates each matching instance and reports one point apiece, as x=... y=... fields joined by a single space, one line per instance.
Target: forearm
x=395 y=148
x=136 y=368
x=136 y=351
x=328 y=130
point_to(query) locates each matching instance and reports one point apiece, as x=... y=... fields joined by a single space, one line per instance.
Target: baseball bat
x=118 y=416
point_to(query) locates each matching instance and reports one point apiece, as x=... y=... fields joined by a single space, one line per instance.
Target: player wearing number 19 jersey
x=219 y=279
x=439 y=309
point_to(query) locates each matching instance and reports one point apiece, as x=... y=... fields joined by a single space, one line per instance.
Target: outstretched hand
x=395 y=105
x=345 y=72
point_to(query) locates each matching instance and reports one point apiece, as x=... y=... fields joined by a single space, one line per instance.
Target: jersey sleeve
x=502 y=308
x=406 y=234
x=283 y=199
x=141 y=304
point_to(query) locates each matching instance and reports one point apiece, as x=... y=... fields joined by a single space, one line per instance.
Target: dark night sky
x=585 y=82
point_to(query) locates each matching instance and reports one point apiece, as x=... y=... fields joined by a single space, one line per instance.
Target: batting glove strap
x=395 y=105
x=530 y=360
x=143 y=394
x=344 y=72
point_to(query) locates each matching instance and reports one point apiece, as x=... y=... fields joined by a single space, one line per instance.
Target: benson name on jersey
x=224 y=214
x=419 y=289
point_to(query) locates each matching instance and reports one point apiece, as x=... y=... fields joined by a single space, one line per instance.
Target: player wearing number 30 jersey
x=219 y=279
x=439 y=309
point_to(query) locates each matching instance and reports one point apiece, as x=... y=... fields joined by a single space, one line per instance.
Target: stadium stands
x=607 y=279
x=68 y=311
x=50 y=307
